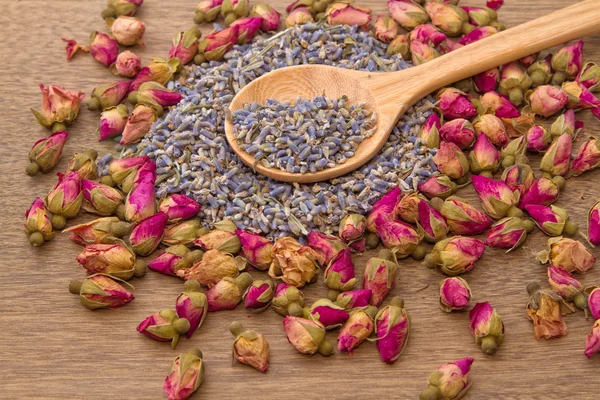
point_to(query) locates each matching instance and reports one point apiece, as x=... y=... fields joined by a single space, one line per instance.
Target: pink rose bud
x=547 y=100
x=184 y=232
x=456 y=255
x=186 y=376
x=380 y=276
x=214 y=46
x=431 y=223
x=164 y=326
x=408 y=207
x=567 y=62
x=116 y=260
x=385 y=29
x=228 y=292
x=325 y=246
x=207 y=11
x=60 y=107
x=65 y=199
x=460 y=132
x=594 y=302
x=248 y=28
x=108 y=96
x=328 y=314
x=487 y=81
x=101 y=291
x=449 y=45
x=232 y=10
x=192 y=305
x=437 y=186
x=538 y=139
x=392 y=328
x=354 y=299
x=288 y=300
x=480 y=16
x=259 y=295
x=257 y=249
x=565 y=123
x=179 y=207
x=158 y=70
x=213 y=267
x=569 y=254
x=494 y=4
x=346 y=14
x=84 y=164
x=487 y=327
x=113 y=121
x=455 y=294
x=430 y=131
x=485 y=158
x=127 y=64
x=270 y=17
x=557 y=159
x=592 y=341
x=154 y=95
x=401 y=46
x=250 y=348
x=147 y=234
x=427 y=33
x=384 y=209
x=541 y=71
x=464 y=219
x=138 y=124
x=38 y=223
x=518 y=127
x=116 y=8
x=127 y=31
x=451 y=161
x=587 y=157
x=543 y=192
x=307 y=336
x=454 y=103
x=449 y=381
x=553 y=220
x=358 y=246
x=407 y=13
x=352 y=227
x=566 y=286
x=123 y=171
x=185 y=45
x=499 y=104
x=357 y=329
x=519 y=178
x=589 y=76
x=298 y=16
x=544 y=312
x=140 y=202
x=46 y=152
x=580 y=96
x=339 y=274
x=422 y=52
x=497 y=199
x=175 y=258
x=104 y=49
x=223 y=238
x=449 y=18
x=100 y=199
x=73 y=47
x=594 y=224
x=401 y=238
x=508 y=233
x=101 y=230
x=478 y=34
x=514 y=81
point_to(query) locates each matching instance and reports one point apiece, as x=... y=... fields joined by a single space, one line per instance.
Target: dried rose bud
x=101 y=291
x=293 y=263
x=455 y=255
x=541 y=72
x=514 y=81
x=228 y=292
x=455 y=294
x=565 y=123
x=113 y=121
x=101 y=230
x=422 y=52
x=460 y=132
x=485 y=158
x=567 y=62
x=437 y=186
x=430 y=131
x=454 y=103
x=186 y=376
x=384 y=209
x=450 y=19
x=359 y=326
x=270 y=17
x=451 y=161
x=519 y=178
x=125 y=169
x=223 y=238
x=288 y=300
x=380 y=276
x=46 y=152
x=497 y=199
x=487 y=81
x=566 y=286
x=587 y=157
x=401 y=46
x=307 y=336
x=553 y=220
x=73 y=47
x=65 y=199
x=354 y=299
x=538 y=139
x=544 y=313
x=38 y=223
x=138 y=124
x=499 y=104
x=352 y=227
x=408 y=207
x=494 y=4
x=154 y=95
x=385 y=28
x=594 y=225
x=427 y=33
x=164 y=326
x=116 y=260
x=250 y=348
x=449 y=381
x=592 y=341
x=508 y=233
x=147 y=234
x=431 y=223
x=464 y=219
x=207 y=11
x=60 y=107
x=547 y=100
x=127 y=64
x=100 y=199
x=248 y=28
x=329 y=314
x=346 y=14
x=589 y=76
x=298 y=16
x=232 y=10
x=127 y=31
x=487 y=327
x=570 y=254
x=579 y=96
x=401 y=238
x=517 y=127
x=109 y=95
x=594 y=302
x=480 y=16
x=259 y=295
x=492 y=127
x=358 y=246
x=192 y=305
x=158 y=70
x=407 y=13
x=392 y=328
x=478 y=34
x=213 y=267
x=339 y=274
x=175 y=258
x=325 y=246
x=185 y=45
x=257 y=249
x=84 y=164
x=557 y=159
x=544 y=192
x=116 y=8
x=179 y=207
x=103 y=48
x=449 y=45
x=140 y=202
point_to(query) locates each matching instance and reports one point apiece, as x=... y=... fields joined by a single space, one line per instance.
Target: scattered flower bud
x=547 y=100
x=407 y=13
x=565 y=123
x=186 y=376
x=138 y=124
x=487 y=327
x=451 y=161
x=401 y=238
x=543 y=192
x=567 y=62
x=298 y=16
x=257 y=250
x=101 y=291
x=179 y=207
x=493 y=128
x=587 y=157
x=460 y=132
x=65 y=199
x=455 y=255
x=192 y=305
x=113 y=121
x=594 y=225
x=185 y=45
x=116 y=260
x=481 y=16
x=449 y=381
x=455 y=294
x=101 y=230
x=517 y=127
x=427 y=33
x=499 y=104
x=103 y=48
x=513 y=82
x=127 y=64
x=325 y=246
x=454 y=103
x=232 y=10
x=437 y=186
x=384 y=209
x=140 y=202
x=213 y=267
x=569 y=254
x=430 y=131
x=592 y=341
x=508 y=233
x=175 y=258
x=100 y=199
x=497 y=199
x=270 y=17
x=116 y=8
x=346 y=14
x=359 y=326
x=339 y=274
x=327 y=313
x=354 y=299
x=46 y=152
x=485 y=158
x=408 y=207
x=127 y=31
x=207 y=11
x=589 y=76
x=544 y=313
x=449 y=45
x=108 y=96
x=557 y=160
x=380 y=276
x=73 y=47
x=392 y=328
x=158 y=70
x=401 y=46
x=519 y=178
x=84 y=164
x=288 y=300
x=293 y=263
x=223 y=238
x=228 y=292
x=147 y=234
x=250 y=348
x=38 y=223
x=538 y=139
x=594 y=302
x=385 y=28
x=352 y=227
x=164 y=326
x=464 y=219
x=478 y=34
x=60 y=107
x=307 y=336
x=541 y=72
x=123 y=171
x=248 y=28
x=431 y=223
x=154 y=95
x=553 y=220
x=422 y=52
x=259 y=295
x=566 y=286
x=579 y=96
x=450 y=19
x=487 y=81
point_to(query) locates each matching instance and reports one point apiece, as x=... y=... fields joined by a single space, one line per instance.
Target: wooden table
x=51 y=347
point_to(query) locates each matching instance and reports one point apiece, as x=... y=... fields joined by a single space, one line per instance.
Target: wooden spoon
x=390 y=94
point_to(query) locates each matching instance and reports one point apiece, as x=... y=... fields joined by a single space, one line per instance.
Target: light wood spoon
x=390 y=94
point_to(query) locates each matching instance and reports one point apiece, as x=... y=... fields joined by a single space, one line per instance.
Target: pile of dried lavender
x=306 y=136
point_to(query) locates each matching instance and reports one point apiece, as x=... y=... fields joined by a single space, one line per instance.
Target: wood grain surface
x=53 y=348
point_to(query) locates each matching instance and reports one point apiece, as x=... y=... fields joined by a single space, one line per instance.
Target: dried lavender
x=307 y=136
x=193 y=156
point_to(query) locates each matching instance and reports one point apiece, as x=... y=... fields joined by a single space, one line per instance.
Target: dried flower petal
x=567 y=253
x=544 y=313
x=228 y=292
x=293 y=263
